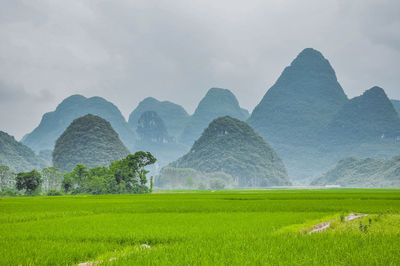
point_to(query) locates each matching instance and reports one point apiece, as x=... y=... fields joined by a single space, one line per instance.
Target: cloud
x=21 y=110
x=175 y=50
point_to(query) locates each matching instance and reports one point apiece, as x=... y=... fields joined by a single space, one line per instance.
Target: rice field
x=251 y=227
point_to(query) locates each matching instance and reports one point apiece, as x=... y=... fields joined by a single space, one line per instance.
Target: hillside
x=151 y=128
x=54 y=123
x=396 y=105
x=231 y=146
x=367 y=118
x=17 y=156
x=216 y=103
x=355 y=172
x=89 y=140
x=173 y=115
x=303 y=100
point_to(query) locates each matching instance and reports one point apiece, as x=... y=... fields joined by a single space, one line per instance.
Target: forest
x=125 y=176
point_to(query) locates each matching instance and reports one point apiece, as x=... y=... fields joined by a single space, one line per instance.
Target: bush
x=54 y=193
x=9 y=193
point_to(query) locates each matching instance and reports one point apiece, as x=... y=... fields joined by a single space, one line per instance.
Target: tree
x=7 y=178
x=74 y=180
x=131 y=171
x=67 y=182
x=124 y=176
x=80 y=173
x=52 y=179
x=151 y=184
x=94 y=185
x=30 y=181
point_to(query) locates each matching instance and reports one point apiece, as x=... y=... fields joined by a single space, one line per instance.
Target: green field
x=202 y=228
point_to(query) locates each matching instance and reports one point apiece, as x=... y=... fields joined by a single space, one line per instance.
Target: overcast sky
x=125 y=51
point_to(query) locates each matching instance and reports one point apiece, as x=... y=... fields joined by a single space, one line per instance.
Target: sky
x=173 y=50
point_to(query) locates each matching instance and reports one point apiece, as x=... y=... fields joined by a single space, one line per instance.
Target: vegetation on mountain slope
x=356 y=172
x=17 y=156
x=231 y=146
x=89 y=140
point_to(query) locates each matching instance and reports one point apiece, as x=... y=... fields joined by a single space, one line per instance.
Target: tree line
x=124 y=176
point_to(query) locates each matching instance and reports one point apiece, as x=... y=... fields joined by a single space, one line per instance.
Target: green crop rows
x=202 y=228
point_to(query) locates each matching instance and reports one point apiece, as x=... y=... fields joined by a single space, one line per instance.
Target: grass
x=252 y=227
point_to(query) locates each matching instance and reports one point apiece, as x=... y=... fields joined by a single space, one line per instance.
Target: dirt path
x=325 y=225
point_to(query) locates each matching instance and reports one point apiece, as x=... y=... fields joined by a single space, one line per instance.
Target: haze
x=125 y=51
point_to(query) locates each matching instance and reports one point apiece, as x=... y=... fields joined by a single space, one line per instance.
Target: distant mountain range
x=89 y=140
x=356 y=172
x=54 y=123
x=17 y=156
x=168 y=132
x=305 y=116
x=311 y=123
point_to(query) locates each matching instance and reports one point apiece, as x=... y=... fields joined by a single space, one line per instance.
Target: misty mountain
x=216 y=103
x=17 y=156
x=88 y=140
x=54 y=123
x=153 y=136
x=174 y=116
x=301 y=103
x=151 y=128
x=231 y=146
x=310 y=122
x=365 y=119
x=356 y=172
x=296 y=110
x=396 y=105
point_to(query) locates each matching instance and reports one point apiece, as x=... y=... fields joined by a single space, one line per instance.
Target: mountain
x=216 y=103
x=54 y=123
x=396 y=105
x=231 y=146
x=356 y=172
x=153 y=136
x=365 y=119
x=151 y=128
x=88 y=140
x=301 y=103
x=173 y=115
x=17 y=156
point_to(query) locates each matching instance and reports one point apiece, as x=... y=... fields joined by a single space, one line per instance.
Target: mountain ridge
x=216 y=103
x=53 y=123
